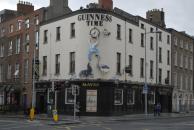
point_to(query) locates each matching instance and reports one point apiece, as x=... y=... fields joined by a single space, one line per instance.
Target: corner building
x=102 y=52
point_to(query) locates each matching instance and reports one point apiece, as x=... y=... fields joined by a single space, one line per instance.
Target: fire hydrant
x=55 y=116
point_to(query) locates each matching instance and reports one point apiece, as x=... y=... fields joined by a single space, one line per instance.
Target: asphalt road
x=186 y=123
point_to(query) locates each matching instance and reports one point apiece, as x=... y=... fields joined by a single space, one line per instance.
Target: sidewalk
x=66 y=119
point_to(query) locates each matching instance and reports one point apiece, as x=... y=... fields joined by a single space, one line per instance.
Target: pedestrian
x=158 y=109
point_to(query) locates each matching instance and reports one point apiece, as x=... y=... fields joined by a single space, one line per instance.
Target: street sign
x=145 y=89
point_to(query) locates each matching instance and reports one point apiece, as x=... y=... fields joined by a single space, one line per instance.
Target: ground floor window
x=1 y=99
x=118 y=97
x=130 y=97
x=69 y=98
x=151 y=99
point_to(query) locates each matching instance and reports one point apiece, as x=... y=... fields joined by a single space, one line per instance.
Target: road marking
x=67 y=128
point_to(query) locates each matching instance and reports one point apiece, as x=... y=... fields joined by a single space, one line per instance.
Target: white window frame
x=18 y=41
x=27 y=23
x=117 y=103
x=66 y=98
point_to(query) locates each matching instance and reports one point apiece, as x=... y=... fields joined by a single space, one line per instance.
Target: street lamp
x=145 y=87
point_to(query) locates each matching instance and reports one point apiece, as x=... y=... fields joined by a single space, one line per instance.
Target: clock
x=94 y=32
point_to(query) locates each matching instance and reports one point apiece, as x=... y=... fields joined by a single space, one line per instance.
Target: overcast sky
x=178 y=13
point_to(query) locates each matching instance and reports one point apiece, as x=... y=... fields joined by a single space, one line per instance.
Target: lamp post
x=145 y=87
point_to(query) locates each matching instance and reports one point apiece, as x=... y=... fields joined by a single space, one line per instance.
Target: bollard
x=32 y=114
x=55 y=116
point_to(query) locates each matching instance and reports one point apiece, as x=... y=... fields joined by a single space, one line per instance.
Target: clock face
x=94 y=32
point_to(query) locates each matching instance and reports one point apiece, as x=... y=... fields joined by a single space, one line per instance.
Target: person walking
x=158 y=109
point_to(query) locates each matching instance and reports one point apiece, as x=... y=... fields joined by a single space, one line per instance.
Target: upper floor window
x=142 y=39
x=160 y=36
x=130 y=35
x=36 y=20
x=181 y=43
x=118 y=63
x=2 y=50
x=168 y=57
x=175 y=41
x=58 y=33
x=10 y=48
x=151 y=69
x=141 y=67
x=37 y=39
x=72 y=62
x=160 y=76
x=9 y=71
x=72 y=30
x=175 y=58
x=160 y=54
x=168 y=39
x=11 y=28
x=57 y=64
x=19 y=25
x=151 y=43
x=142 y=26
x=27 y=23
x=16 y=73
x=151 y=29
x=118 y=31
x=17 y=51
x=130 y=65
x=26 y=70
x=44 y=72
x=45 y=36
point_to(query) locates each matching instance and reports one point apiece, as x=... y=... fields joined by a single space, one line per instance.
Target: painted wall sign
x=95 y=19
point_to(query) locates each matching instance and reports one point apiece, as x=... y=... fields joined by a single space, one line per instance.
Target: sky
x=178 y=13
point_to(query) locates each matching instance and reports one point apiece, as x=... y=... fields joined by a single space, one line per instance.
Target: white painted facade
x=108 y=48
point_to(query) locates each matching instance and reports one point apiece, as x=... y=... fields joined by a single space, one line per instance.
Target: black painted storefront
x=105 y=97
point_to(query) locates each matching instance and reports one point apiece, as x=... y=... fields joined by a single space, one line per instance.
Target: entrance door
x=41 y=103
x=91 y=101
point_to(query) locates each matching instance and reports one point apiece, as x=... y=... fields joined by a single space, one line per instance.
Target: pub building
x=98 y=54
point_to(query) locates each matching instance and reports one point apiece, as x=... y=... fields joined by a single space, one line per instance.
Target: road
x=186 y=123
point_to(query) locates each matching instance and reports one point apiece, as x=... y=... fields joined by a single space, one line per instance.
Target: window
x=141 y=67
x=118 y=63
x=72 y=30
x=72 y=62
x=17 y=45
x=130 y=36
x=1 y=98
x=58 y=33
x=45 y=36
x=191 y=63
x=151 y=97
x=118 y=97
x=2 y=50
x=16 y=73
x=160 y=36
x=11 y=28
x=27 y=42
x=160 y=54
x=175 y=41
x=142 y=40
x=168 y=57
x=168 y=39
x=9 y=71
x=26 y=69
x=130 y=97
x=118 y=32
x=27 y=23
x=69 y=98
x=175 y=79
x=175 y=58
x=36 y=20
x=130 y=65
x=168 y=77
x=57 y=64
x=1 y=73
x=37 y=39
x=142 y=25
x=19 y=24
x=151 y=30
x=151 y=69
x=10 y=48
x=181 y=60
x=181 y=43
x=2 y=32
x=160 y=76
x=151 y=43
x=44 y=72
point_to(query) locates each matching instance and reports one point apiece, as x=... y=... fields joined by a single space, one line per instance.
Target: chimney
x=106 y=4
x=24 y=7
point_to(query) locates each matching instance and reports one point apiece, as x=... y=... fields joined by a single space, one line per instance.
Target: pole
x=146 y=112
